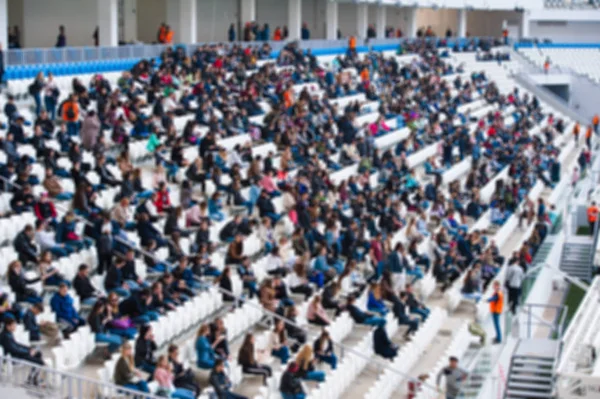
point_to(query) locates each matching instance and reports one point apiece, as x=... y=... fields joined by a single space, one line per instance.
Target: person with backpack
x=70 y=114
x=35 y=88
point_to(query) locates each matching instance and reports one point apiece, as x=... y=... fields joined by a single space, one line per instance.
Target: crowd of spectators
x=337 y=226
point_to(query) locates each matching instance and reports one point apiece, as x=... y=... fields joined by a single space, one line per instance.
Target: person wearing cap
x=454 y=375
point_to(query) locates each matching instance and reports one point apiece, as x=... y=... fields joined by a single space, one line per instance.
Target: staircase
x=576 y=260
x=477 y=375
x=531 y=369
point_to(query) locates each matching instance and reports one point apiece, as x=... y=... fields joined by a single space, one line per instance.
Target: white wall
x=347 y=19
x=272 y=12
x=15 y=16
x=42 y=19
x=439 y=20
x=215 y=17
x=128 y=13
x=567 y=32
x=489 y=23
x=150 y=15
x=398 y=18
x=314 y=14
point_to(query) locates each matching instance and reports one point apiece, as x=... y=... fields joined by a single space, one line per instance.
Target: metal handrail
x=18 y=373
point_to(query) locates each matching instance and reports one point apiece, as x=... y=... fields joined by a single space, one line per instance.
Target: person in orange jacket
x=592 y=216
x=364 y=75
x=588 y=137
x=277 y=34
x=168 y=35
x=596 y=122
x=576 y=130
x=496 y=306
x=288 y=97
x=161 y=33
x=352 y=43
x=70 y=114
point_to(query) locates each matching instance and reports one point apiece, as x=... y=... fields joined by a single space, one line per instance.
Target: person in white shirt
x=275 y=263
x=45 y=239
x=515 y=274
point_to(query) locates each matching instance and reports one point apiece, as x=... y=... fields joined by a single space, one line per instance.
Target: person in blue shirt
x=375 y=301
x=362 y=317
x=401 y=313
x=205 y=354
x=66 y=314
x=305 y=32
x=231 y=33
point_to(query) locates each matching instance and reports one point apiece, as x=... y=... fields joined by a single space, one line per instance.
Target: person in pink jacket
x=163 y=375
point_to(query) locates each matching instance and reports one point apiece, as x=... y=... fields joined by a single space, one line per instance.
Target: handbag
x=121 y=324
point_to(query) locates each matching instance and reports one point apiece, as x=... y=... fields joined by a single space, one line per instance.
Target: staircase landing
x=531 y=370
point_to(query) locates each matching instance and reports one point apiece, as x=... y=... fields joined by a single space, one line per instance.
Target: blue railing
x=26 y=63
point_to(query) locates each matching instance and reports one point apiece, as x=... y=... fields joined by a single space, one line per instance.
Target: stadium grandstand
x=299 y=199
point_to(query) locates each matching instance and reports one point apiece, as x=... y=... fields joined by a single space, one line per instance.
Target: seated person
x=221 y=382
x=205 y=353
x=136 y=307
x=306 y=365
x=247 y=359
x=145 y=346
x=165 y=378
x=382 y=344
x=36 y=329
x=414 y=305
x=316 y=314
x=66 y=314
x=323 y=349
x=290 y=385
x=183 y=377
x=375 y=301
x=362 y=317
x=99 y=323
x=400 y=311
x=125 y=374
x=278 y=343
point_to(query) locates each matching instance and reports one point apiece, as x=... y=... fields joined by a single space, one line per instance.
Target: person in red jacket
x=44 y=210
x=163 y=200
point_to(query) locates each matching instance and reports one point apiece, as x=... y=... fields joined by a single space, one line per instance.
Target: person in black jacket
x=184 y=377
x=382 y=344
x=363 y=317
x=266 y=207
x=136 y=307
x=401 y=313
x=230 y=229
x=144 y=350
x=290 y=385
x=106 y=177
x=323 y=350
x=221 y=383
x=24 y=245
x=16 y=350
x=114 y=279
x=18 y=284
x=35 y=329
x=98 y=321
x=82 y=284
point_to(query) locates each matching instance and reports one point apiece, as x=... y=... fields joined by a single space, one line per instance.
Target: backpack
x=70 y=113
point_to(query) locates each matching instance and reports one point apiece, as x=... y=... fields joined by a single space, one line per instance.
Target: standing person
x=547 y=65
x=70 y=114
x=514 y=281
x=496 y=304
x=592 y=216
x=595 y=119
x=51 y=94
x=35 y=90
x=305 y=32
x=454 y=378
x=576 y=130
x=61 y=39
x=588 y=137
x=231 y=33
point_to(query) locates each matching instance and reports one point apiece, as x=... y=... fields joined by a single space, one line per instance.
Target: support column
x=129 y=33
x=462 y=23
x=362 y=20
x=411 y=22
x=332 y=20
x=525 y=24
x=248 y=11
x=108 y=22
x=295 y=19
x=4 y=25
x=381 y=21
x=188 y=17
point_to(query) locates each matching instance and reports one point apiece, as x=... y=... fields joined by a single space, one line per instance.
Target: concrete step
x=518 y=394
x=528 y=377
x=523 y=368
x=524 y=386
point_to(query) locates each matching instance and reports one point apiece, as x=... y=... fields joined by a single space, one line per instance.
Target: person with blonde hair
x=163 y=375
x=126 y=375
x=306 y=365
